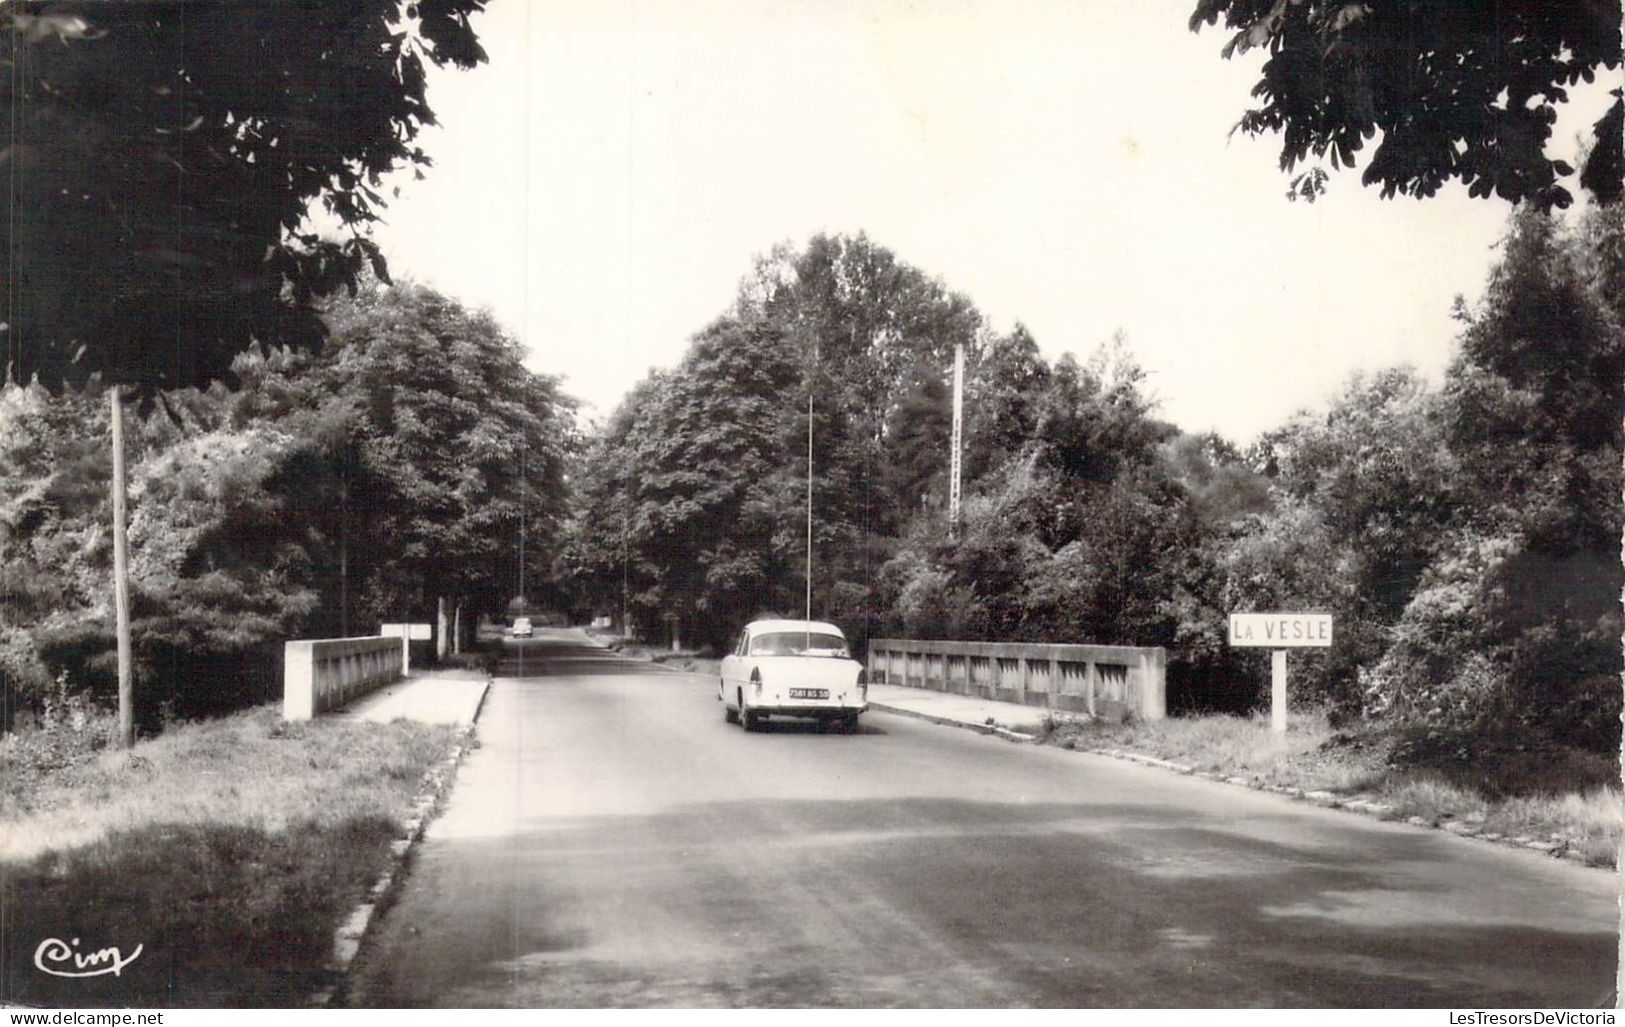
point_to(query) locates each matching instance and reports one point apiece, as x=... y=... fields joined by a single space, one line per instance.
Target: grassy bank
x=691 y=660
x=229 y=850
x=1560 y=796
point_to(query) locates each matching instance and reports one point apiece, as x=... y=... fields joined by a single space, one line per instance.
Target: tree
x=884 y=334
x=1076 y=534
x=1094 y=422
x=459 y=452
x=1539 y=383
x=220 y=567
x=1002 y=390
x=1463 y=90
x=54 y=546
x=917 y=437
x=328 y=493
x=165 y=157
x=696 y=498
x=1466 y=538
x=1376 y=470
x=1362 y=499
x=713 y=497
x=1286 y=558
x=874 y=318
x=1222 y=487
x=596 y=563
x=1518 y=622
x=1112 y=582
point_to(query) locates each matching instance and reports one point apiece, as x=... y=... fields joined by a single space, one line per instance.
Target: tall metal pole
x=121 y=578
x=626 y=625
x=808 y=640
x=344 y=552
x=953 y=459
x=524 y=604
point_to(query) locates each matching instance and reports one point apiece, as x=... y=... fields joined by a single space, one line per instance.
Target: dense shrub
x=326 y=495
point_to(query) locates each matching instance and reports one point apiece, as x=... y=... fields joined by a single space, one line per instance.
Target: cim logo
x=63 y=959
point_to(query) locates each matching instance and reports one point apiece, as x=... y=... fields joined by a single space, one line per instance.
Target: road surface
x=613 y=843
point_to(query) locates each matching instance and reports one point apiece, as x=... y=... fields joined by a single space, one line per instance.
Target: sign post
x=1280 y=632
x=1278 y=691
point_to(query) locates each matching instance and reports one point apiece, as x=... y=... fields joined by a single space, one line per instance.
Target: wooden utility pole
x=121 y=577
x=955 y=444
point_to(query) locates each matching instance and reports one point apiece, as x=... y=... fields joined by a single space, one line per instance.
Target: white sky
x=603 y=183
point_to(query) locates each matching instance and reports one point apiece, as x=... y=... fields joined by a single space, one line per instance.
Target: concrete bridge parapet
x=323 y=674
x=1103 y=680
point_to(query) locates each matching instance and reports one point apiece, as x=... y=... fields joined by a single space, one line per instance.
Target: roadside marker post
x=1280 y=632
x=1278 y=691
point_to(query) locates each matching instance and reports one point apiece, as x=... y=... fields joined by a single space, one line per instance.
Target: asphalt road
x=613 y=843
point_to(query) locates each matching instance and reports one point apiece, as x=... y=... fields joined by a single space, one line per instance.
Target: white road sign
x=1281 y=630
x=414 y=632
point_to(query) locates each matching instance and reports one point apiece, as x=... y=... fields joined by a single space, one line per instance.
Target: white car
x=521 y=627
x=792 y=668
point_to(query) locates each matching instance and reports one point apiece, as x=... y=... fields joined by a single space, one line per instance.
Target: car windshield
x=798 y=643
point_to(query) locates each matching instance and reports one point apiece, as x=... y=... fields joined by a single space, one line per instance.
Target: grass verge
x=229 y=850
x=693 y=661
x=1565 y=798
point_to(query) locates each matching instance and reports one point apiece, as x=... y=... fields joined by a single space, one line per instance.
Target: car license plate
x=809 y=693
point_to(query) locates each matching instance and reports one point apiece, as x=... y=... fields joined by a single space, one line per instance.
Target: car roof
x=762 y=627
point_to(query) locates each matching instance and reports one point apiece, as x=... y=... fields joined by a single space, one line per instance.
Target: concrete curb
x=648 y=658
x=347 y=940
x=986 y=729
x=1366 y=805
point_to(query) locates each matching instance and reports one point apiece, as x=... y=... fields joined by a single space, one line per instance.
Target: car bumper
x=808 y=710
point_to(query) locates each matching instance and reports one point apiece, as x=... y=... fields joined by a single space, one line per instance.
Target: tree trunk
x=121 y=578
x=440 y=627
x=457 y=629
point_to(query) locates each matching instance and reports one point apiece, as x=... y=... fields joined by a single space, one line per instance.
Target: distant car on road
x=521 y=627
x=792 y=668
